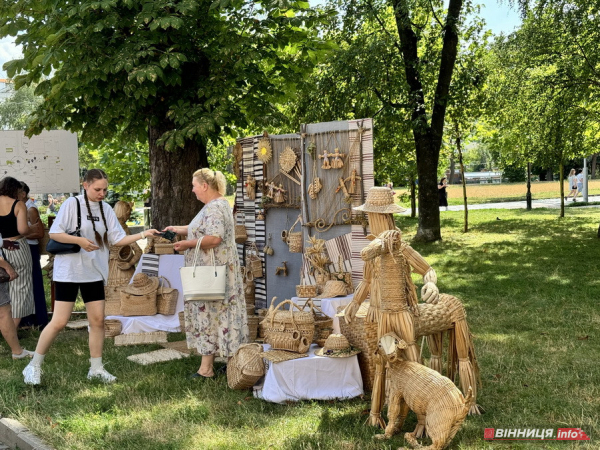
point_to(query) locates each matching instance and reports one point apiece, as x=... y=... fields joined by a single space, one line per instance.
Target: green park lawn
x=531 y=286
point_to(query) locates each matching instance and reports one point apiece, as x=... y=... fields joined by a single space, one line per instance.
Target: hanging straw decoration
x=264 y=152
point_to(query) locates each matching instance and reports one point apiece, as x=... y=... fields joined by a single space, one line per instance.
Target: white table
x=329 y=307
x=168 y=267
x=311 y=378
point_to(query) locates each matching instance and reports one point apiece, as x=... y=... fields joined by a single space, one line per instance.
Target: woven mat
x=165 y=354
x=276 y=356
x=154 y=337
x=78 y=324
x=180 y=346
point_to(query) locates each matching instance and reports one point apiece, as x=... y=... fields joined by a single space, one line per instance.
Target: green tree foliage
x=15 y=111
x=174 y=73
x=545 y=87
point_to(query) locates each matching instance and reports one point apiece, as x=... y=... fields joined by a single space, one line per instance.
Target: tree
x=175 y=74
x=15 y=110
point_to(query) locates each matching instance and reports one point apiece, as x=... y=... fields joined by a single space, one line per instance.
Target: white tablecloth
x=311 y=378
x=329 y=307
x=168 y=267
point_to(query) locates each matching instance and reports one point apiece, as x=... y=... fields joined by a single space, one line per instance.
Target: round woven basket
x=112 y=327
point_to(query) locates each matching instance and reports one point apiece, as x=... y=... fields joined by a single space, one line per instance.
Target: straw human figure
x=394 y=302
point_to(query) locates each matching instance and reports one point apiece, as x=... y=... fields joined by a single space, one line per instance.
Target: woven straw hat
x=142 y=284
x=337 y=346
x=380 y=200
x=333 y=288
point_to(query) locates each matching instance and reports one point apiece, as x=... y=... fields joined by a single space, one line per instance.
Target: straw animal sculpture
x=394 y=306
x=423 y=390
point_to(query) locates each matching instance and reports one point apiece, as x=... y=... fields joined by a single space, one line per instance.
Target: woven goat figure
x=394 y=303
x=423 y=390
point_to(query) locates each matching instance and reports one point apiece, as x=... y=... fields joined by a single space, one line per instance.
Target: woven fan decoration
x=287 y=159
x=264 y=151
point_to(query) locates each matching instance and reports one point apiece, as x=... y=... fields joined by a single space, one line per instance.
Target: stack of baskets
x=146 y=296
x=289 y=330
x=362 y=335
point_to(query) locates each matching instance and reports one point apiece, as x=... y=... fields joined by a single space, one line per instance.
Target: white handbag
x=203 y=283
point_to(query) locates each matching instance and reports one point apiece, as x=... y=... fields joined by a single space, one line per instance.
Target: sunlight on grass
x=533 y=313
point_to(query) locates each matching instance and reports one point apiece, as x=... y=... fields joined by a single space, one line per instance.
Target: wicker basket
x=362 y=335
x=294 y=239
x=182 y=321
x=253 y=327
x=249 y=310
x=112 y=303
x=289 y=330
x=112 y=327
x=246 y=367
x=164 y=249
x=306 y=290
x=166 y=298
x=138 y=305
x=253 y=261
x=241 y=235
x=323 y=324
x=249 y=292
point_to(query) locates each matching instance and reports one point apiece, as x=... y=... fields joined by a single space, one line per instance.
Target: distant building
x=483 y=177
x=6 y=89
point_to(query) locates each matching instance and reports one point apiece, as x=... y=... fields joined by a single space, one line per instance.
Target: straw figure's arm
x=361 y=293
x=429 y=292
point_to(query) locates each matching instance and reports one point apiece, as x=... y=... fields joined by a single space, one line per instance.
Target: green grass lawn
x=531 y=286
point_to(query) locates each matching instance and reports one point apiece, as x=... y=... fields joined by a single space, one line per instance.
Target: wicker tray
x=155 y=337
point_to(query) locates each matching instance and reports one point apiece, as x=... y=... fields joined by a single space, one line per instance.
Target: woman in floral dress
x=213 y=327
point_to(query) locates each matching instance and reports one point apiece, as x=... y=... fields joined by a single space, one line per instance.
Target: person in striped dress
x=14 y=227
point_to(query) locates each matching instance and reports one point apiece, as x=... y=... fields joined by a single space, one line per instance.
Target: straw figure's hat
x=142 y=284
x=380 y=200
x=333 y=288
x=337 y=346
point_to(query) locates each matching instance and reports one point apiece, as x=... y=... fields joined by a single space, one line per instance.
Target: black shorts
x=90 y=292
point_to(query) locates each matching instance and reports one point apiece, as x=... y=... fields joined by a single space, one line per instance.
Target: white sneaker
x=24 y=354
x=32 y=374
x=102 y=374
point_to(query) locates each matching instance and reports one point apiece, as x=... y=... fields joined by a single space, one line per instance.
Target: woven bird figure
x=423 y=390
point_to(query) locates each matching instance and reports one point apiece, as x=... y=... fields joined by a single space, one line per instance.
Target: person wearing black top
x=443 y=195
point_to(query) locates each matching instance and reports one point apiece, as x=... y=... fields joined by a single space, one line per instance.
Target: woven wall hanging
x=264 y=150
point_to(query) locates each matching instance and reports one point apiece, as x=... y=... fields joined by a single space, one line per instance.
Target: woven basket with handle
x=289 y=330
x=323 y=323
x=253 y=327
x=138 y=305
x=164 y=249
x=294 y=238
x=253 y=261
x=246 y=367
x=166 y=298
x=112 y=300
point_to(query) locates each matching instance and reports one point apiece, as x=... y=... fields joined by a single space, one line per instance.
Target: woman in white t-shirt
x=85 y=271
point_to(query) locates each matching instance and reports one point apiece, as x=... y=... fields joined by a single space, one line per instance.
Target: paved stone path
x=553 y=203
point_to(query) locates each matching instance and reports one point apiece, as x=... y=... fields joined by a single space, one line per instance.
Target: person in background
x=85 y=271
x=572 y=180
x=33 y=217
x=7 y=325
x=52 y=204
x=579 y=179
x=443 y=195
x=14 y=227
x=215 y=326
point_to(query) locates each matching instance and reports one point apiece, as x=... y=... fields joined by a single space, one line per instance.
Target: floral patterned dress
x=217 y=327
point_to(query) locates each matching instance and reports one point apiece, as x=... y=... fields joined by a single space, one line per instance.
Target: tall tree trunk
x=452 y=169
x=561 y=176
x=173 y=202
x=594 y=158
x=464 y=183
x=549 y=174
x=413 y=198
x=428 y=137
